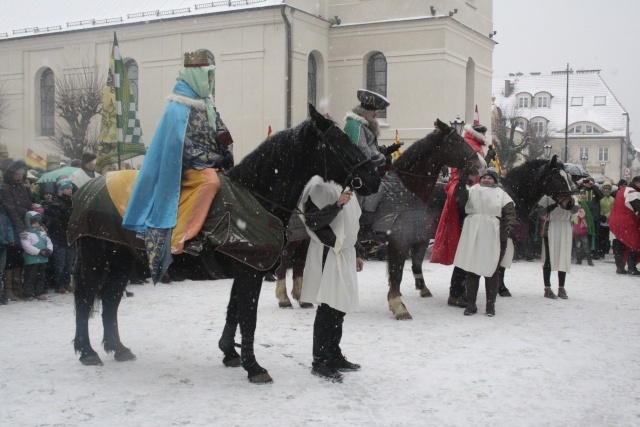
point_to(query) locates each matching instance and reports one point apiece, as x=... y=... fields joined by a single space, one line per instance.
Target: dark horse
x=525 y=184
x=276 y=173
x=401 y=214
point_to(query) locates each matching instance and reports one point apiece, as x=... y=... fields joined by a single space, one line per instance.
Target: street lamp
x=458 y=125
x=602 y=167
x=584 y=159
x=547 y=151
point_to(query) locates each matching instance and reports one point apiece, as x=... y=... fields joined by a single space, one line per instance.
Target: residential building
x=431 y=59
x=592 y=130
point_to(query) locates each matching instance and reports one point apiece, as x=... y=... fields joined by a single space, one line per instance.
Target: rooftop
x=585 y=84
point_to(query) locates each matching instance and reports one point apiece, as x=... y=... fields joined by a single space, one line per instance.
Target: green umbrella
x=53 y=175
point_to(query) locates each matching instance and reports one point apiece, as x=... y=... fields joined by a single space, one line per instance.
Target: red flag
x=476 y=117
x=269 y=132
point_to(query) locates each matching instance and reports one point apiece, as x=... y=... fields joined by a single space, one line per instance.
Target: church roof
x=26 y=18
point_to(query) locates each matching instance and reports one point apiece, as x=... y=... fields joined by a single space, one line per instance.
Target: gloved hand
x=224 y=138
x=551 y=207
x=393 y=148
x=603 y=218
x=44 y=253
x=510 y=231
x=49 y=253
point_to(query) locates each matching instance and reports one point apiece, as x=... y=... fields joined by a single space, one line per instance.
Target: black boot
x=618 y=256
x=502 y=289
x=323 y=328
x=491 y=285
x=589 y=259
x=632 y=257
x=472 y=284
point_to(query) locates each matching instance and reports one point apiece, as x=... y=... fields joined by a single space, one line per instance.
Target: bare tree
x=78 y=99
x=4 y=103
x=503 y=127
x=535 y=139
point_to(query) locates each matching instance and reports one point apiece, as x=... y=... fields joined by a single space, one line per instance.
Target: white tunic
x=479 y=247
x=560 y=234
x=337 y=284
x=80 y=178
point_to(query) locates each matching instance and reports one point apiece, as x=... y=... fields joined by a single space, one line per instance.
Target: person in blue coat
x=190 y=135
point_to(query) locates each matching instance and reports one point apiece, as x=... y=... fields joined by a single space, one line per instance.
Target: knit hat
x=62 y=182
x=479 y=128
x=87 y=157
x=607 y=185
x=493 y=174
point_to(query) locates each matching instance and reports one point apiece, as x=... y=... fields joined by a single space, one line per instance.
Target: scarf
x=198 y=79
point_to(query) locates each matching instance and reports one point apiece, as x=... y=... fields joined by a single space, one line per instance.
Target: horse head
x=455 y=152
x=342 y=161
x=556 y=183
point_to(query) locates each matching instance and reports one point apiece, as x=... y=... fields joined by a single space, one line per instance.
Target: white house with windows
x=596 y=126
x=431 y=59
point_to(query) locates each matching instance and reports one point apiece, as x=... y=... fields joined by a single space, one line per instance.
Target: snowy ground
x=539 y=362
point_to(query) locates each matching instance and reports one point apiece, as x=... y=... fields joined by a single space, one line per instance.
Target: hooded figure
x=87 y=170
x=15 y=196
x=190 y=136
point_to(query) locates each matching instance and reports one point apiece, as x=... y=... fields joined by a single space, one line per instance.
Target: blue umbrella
x=53 y=175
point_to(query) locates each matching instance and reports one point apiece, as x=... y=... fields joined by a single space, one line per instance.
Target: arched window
x=212 y=61
x=47 y=103
x=132 y=73
x=312 y=80
x=377 y=77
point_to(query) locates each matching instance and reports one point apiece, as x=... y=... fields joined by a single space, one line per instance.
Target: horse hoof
x=232 y=362
x=261 y=378
x=124 y=356
x=285 y=304
x=92 y=360
x=425 y=293
x=404 y=316
x=306 y=305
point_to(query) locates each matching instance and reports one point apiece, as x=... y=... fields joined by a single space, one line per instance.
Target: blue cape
x=155 y=196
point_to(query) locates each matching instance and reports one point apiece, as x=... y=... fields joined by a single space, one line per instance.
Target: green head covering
x=198 y=79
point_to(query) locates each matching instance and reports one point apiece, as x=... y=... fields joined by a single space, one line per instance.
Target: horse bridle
x=356 y=182
x=557 y=194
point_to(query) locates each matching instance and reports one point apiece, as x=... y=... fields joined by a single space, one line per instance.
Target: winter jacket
x=56 y=217
x=7 y=237
x=33 y=241
x=15 y=197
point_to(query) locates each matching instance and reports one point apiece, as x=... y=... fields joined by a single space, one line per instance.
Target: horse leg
x=248 y=283
x=227 y=341
x=395 y=264
x=88 y=276
x=418 y=252
x=281 y=285
x=298 y=262
x=117 y=278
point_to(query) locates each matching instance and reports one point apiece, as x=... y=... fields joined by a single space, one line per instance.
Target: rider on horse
x=191 y=140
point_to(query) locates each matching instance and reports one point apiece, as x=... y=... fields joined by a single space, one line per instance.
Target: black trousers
x=327 y=334
x=34 y=280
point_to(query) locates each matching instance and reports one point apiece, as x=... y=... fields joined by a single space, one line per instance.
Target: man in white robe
x=491 y=217
x=330 y=278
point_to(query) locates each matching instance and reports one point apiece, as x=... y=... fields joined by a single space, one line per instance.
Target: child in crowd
x=37 y=250
x=583 y=231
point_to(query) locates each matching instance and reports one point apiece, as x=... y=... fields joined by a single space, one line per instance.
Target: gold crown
x=196 y=59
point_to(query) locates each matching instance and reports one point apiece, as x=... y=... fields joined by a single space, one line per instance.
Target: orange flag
x=269 y=132
x=476 y=117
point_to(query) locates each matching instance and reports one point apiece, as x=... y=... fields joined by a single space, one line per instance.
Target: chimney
x=507 y=88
